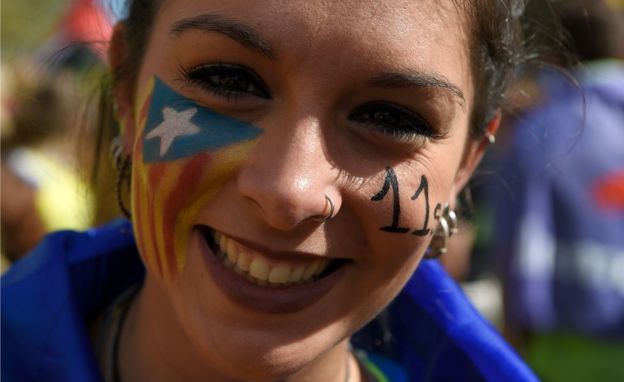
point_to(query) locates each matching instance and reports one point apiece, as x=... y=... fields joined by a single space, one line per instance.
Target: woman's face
x=248 y=114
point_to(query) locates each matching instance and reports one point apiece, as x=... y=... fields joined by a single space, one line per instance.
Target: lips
x=264 y=280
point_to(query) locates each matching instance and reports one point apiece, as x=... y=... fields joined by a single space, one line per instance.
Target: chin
x=243 y=342
x=259 y=357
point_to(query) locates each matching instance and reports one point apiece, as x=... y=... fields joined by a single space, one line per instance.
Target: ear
x=123 y=89
x=474 y=153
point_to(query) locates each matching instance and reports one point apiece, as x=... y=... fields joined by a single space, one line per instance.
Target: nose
x=288 y=178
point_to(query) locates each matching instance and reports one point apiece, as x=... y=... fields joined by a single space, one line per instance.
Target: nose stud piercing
x=324 y=218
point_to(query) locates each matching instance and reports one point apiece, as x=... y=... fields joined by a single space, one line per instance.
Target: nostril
x=285 y=216
x=285 y=208
x=275 y=212
x=290 y=191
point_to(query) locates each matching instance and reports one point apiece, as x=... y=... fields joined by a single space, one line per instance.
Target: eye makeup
x=394 y=121
x=388 y=120
x=232 y=81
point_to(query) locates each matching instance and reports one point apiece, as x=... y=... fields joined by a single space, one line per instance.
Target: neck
x=155 y=347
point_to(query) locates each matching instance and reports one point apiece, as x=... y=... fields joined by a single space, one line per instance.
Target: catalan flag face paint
x=182 y=155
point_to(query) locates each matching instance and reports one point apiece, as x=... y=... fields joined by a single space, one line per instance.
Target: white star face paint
x=177 y=127
x=175 y=124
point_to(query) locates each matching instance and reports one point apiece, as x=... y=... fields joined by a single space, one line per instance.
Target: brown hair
x=498 y=51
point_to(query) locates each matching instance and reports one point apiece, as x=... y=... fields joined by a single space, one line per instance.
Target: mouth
x=273 y=271
x=264 y=280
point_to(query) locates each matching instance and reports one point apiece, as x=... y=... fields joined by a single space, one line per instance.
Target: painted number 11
x=391 y=182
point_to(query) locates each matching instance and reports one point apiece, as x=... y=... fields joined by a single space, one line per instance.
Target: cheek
x=400 y=210
x=405 y=206
x=176 y=175
x=168 y=197
x=164 y=198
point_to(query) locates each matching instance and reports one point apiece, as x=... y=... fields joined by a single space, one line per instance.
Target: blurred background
x=53 y=61
x=541 y=249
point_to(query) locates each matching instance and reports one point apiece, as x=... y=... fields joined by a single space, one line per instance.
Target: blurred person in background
x=41 y=190
x=559 y=222
x=43 y=146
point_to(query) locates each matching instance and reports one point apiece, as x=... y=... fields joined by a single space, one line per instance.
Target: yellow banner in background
x=617 y=4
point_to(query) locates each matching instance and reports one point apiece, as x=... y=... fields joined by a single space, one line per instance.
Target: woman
x=291 y=163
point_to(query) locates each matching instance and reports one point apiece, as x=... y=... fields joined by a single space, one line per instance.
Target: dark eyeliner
x=393 y=120
x=230 y=81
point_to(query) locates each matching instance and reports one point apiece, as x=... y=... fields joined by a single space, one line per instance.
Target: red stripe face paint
x=183 y=153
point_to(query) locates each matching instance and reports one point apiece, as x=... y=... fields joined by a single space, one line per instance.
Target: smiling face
x=248 y=115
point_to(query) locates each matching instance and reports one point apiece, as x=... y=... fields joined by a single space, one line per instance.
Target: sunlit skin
x=321 y=64
x=185 y=154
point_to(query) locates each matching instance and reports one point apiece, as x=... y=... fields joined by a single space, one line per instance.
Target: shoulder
x=439 y=335
x=49 y=295
x=431 y=332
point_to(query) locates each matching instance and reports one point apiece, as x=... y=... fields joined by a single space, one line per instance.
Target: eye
x=393 y=120
x=226 y=80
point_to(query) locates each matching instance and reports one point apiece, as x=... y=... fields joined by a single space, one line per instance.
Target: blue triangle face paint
x=177 y=127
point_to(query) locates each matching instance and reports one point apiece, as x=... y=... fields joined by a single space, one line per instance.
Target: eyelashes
x=226 y=80
x=393 y=120
x=235 y=82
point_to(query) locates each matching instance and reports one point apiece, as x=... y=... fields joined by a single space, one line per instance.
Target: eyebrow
x=393 y=80
x=247 y=37
x=238 y=32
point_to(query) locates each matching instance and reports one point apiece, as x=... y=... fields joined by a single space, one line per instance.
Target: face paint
x=182 y=155
x=424 y=186
x=177 y=127
x=391 y=182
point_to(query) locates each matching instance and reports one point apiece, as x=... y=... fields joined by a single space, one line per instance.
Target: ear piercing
x=122 y=165
x=447 y=227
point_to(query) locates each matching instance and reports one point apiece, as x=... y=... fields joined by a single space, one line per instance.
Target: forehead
x=377 y=35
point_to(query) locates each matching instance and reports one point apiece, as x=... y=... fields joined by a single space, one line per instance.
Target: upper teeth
x=261 y=270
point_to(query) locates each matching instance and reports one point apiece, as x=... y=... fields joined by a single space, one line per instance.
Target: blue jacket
x=49 y=296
